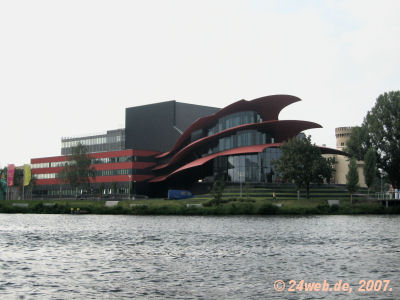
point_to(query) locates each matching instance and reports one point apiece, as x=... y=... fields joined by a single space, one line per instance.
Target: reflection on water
x=92 y=257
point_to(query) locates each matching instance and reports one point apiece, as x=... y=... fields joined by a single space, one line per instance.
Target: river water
x=154 y=257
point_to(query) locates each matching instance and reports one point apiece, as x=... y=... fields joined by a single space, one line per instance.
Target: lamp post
x=241 y=182
x=130 y=182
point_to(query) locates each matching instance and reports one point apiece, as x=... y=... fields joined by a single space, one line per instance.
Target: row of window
x=110 y=160
x=74 y=192
x=114 y=172
x=93 y=141
x=97 y=148
x=41 y=165
x=45 y=176
x=105 y=160
x=101 y=173
x=51 y=164
x=86 y=142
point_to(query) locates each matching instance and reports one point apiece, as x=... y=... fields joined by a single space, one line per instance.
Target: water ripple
x=116 y=257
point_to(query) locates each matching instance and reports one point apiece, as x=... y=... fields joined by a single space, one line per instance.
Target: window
x=244 y=117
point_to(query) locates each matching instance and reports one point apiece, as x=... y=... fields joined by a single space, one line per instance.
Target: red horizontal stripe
x=113 y=166
x=143 y=165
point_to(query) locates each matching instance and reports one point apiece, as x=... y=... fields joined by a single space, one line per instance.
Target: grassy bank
x=230 y=206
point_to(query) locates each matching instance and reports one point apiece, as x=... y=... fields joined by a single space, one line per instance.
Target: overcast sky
x=72 y=67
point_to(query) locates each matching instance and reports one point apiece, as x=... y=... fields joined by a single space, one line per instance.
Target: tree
x=78 y=171
x=218 y=190
x=358 y=143
x=302 y=163
x=101 y=189
x=352 y=178
x=370 y=168
x=381 y=131
x=114 y=187
x=19 y=181
x=3 y=183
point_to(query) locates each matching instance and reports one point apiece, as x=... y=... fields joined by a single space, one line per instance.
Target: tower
x=342 y=136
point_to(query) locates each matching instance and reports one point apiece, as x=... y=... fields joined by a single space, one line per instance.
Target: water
x=117 y=257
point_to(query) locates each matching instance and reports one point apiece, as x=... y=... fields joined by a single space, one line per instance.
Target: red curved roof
x=280 y=130
x=268 y=107
x=203 y=160
x=326 y=150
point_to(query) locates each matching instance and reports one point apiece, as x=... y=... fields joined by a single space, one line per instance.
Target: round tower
x=342 y=136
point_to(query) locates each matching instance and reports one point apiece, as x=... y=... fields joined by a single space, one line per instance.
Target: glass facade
x=236 y=119
x=256 y=167
x=241 y=139
x=113 y=140
x=229 y=121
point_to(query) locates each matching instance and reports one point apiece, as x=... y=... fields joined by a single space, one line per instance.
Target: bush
x=268 y=209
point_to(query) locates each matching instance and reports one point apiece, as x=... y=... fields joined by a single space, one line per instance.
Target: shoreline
x=195 y=207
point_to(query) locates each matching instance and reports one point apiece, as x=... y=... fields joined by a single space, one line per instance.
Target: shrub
x=268 y=209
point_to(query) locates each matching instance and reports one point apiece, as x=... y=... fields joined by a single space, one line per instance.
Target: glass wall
x=257 y=167
x=239 y=118
x=241 y=139
x=111 y=141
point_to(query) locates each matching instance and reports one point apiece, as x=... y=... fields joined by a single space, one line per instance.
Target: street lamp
x=241 y=181
x=130 y=183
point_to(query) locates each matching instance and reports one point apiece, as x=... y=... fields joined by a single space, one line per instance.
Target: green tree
x=114 y=187
x=218 y=190
x=78 y=171
x=381 y=131
x=19 y=180
x=358 y=143
x=3 y=183
x=302 y=163
x=383 y=126
x=352 y=178
x=370 y=170
x=101 y=189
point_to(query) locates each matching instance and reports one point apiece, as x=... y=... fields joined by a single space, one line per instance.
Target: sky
x=70 y=68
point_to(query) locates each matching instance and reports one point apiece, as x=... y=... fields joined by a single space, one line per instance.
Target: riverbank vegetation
x=203 y=206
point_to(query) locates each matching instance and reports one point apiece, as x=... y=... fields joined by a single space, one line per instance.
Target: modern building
x=121 y=161
x=120 y=168
x=176 y=145
x=239 y=142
